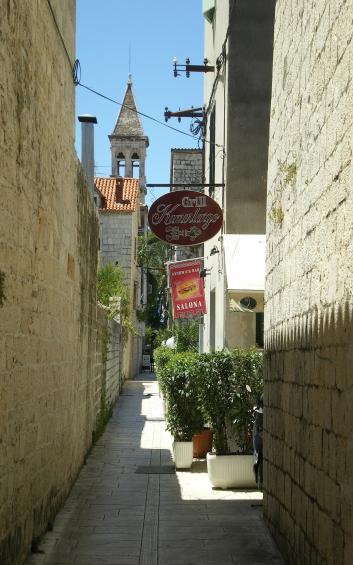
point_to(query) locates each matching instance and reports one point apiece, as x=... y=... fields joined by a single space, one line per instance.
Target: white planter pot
x=183 y=454
x=226 y=471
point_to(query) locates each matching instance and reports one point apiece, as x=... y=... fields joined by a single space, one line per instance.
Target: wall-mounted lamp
x=189 y=113
x=204 y=273
x=214 y=250
x=187 y=68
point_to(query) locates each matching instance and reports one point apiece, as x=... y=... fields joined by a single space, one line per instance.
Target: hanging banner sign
x=188 y=295
x=185 y=217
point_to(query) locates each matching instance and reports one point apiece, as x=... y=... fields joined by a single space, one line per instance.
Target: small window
x=121 y=168
x=121 y=165
x=135 y=166
x=136 y=169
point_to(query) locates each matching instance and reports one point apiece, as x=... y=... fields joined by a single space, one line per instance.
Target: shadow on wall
x=308 y=444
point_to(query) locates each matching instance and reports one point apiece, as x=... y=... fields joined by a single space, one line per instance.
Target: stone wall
x=119 y=246
x=308 y=315
x=113 y=365
x=51 y=334
x=186 y=166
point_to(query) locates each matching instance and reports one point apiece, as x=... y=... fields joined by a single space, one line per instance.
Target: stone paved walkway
x=117 y=516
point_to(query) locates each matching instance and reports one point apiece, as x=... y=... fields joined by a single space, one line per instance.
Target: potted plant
x=228 y=384
x=184 y=417
x=246 y=391
x=162 y=356
x=202 y=442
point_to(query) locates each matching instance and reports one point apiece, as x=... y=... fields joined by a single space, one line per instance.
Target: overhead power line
x=77 y=81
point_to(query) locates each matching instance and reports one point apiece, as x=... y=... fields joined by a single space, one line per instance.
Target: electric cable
x=78 y=82
x=60 y=35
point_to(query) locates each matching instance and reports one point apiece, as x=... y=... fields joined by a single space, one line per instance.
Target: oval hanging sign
x=185 y=217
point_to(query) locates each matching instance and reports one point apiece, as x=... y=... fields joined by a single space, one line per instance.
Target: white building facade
x=238 y=43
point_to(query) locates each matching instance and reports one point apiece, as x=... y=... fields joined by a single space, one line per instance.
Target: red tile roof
x=119 y=194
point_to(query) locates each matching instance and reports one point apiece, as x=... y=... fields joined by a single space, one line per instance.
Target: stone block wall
x=51 y=334
x=113 y=363
x=186 y=166
x=117 y=240
x=308 y=314
x=119 y=246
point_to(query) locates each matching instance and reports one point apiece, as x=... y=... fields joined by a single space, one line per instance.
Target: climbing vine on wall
x=287 y=178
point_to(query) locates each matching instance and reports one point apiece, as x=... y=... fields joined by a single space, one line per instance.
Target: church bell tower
x=128 y=143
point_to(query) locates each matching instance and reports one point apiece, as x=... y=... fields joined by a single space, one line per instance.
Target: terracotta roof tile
x=120 y=194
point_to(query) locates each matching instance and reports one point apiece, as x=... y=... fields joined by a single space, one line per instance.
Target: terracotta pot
x=202 y=443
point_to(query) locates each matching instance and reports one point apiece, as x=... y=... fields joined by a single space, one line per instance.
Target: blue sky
x=154 y=31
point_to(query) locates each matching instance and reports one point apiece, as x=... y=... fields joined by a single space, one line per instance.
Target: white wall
x=214 y=37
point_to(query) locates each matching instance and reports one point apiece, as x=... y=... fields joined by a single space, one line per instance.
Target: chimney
x=87 y=149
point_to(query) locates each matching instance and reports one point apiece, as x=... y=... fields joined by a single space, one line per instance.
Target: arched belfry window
x=121 y=164
x=135 y=165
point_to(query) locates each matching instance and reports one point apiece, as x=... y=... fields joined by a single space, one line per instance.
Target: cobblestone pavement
x=117 y=515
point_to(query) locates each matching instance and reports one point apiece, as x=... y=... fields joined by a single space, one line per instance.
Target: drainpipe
x=87 y=149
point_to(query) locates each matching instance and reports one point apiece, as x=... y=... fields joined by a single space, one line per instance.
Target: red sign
x=185 y=217
x=187 y=288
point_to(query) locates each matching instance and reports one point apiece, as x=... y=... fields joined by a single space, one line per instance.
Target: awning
x=245 y=261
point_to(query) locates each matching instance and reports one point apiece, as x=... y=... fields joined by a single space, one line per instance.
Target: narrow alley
x=129 y=507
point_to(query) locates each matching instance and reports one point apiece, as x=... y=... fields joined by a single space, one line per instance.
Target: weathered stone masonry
x=308 y=315
x=51 y=346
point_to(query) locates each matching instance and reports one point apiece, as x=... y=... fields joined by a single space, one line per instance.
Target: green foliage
x=289 y=172
x=246 y=390
x=219 y=388
x=186 y=333
x=178 y=380
x=187 y=336
x=156 y=337
x=229 y=385
x=215 y=371
x=152 y=255
x=2 y=291
x=111 y=283
x=277 y=214
x=162 y=356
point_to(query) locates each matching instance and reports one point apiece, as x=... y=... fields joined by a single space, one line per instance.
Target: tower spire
x=128 y=142
x=128 y=122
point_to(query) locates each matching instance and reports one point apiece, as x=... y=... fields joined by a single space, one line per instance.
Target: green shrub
x=214 y=375
x=187 y=336
x=162 y=355
x=179 y=384
x=247 y=388
x=229 y=385
x=111 y=283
